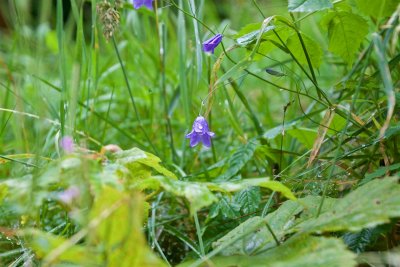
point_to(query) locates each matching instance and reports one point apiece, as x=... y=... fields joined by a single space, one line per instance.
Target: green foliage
x=371 y=204
x=308 y=5
x=297 y=251
x=377 y=8
x=303 y=98
x=346 y=31
x=314 y=51
x=238 y=159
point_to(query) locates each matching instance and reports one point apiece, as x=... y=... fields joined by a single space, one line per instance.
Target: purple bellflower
x=147 y=3
x=200 y=132
x=69 y=194
x=212 y=43
x=67 y=144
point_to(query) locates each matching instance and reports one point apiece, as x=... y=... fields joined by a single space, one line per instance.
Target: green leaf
x=308 y=5
x=304 y=135
x=377 y=8
x=226 y=208
x=371 y=204
x=314 y=51
x=248 y=199
x=237 y=161
x=253 y=234
x=248 y=182
x=358 y=242
x=199 y=194
x=43 y=244
x=137 y=160
x=380 y=172
x=299 y=251
x=252 y=36
x=117 y=218
x=346 y=31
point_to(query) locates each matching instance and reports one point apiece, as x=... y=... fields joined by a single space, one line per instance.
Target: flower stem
x=132 y=98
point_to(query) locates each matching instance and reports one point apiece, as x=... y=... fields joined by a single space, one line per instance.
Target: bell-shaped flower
x=147 y=3
x=212 y=43
x=200 y=132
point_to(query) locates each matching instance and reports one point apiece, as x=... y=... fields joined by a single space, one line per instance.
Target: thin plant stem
x=132 y=98
x=199 y=235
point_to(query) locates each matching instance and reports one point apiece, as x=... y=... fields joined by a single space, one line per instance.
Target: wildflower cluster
x=109 y=17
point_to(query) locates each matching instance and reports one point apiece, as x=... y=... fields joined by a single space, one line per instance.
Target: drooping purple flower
x=212 y=43
x=200 y=132
x=147 y=3
x=67 y=144
x=69 y=194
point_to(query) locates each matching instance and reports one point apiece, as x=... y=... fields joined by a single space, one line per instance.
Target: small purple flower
x=212 y=43
x=69 y=195
x=200 y=132
x=147 y=3
x=67 y=144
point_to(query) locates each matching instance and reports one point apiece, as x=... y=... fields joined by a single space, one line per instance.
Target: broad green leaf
x=237 y=161
x=371 y=204
x=252 y=36
x=44 y=244
x=336 y=125
x=117 y=219
x=299 y=251
x=346 y=31
x=253 y=234
x=197 y=193
x=248 y=182
x=308 y=5
x=380 y=172
x=277 y=131
x=135 y=159
x=200 y=194
x=314 y=51
x=304 y=135
x=271 y=41
x=377 y=8
x=248 y=199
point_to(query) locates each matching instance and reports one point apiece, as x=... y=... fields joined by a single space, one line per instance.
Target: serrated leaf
x=299 y=251
x=308 y=5
x=357 y=242
x=314 y=51
x=226 y=208
x=346 y=31
x=237 y=161
x=371 y=204
x=248 y=199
